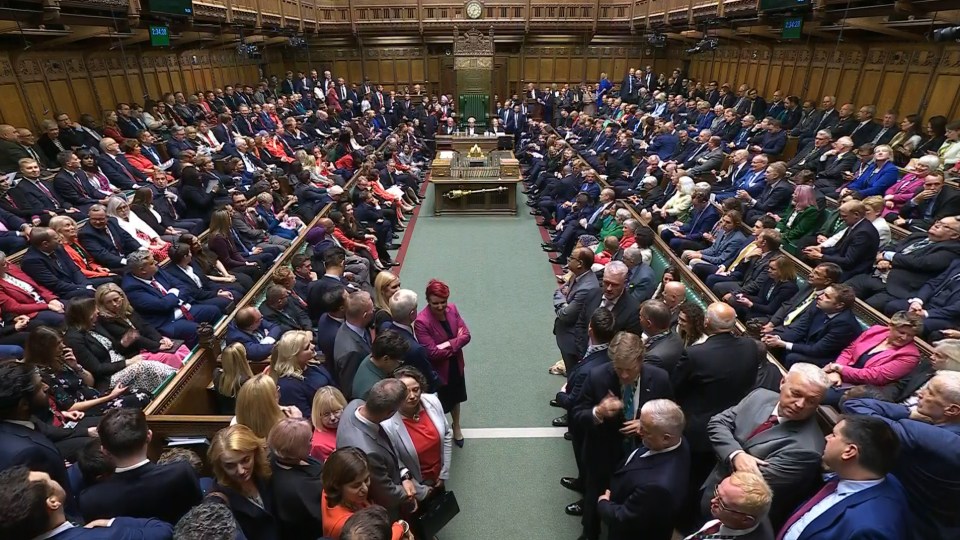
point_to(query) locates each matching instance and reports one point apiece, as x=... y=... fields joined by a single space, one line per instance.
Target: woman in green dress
x=800 y=219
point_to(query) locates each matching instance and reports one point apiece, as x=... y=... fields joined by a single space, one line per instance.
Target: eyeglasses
x=725 y=508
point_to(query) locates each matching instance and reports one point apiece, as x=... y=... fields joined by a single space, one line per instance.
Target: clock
x=474 y=9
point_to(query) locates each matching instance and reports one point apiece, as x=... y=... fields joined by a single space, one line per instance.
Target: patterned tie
x=799 y=309
x=43 y=188
x=626 y=395
x=828 y=489
x=706 y=532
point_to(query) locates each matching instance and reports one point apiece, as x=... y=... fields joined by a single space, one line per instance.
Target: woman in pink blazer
x=881 y=355
x=440 y=329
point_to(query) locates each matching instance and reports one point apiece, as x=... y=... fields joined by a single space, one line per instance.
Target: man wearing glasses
x=739 y=508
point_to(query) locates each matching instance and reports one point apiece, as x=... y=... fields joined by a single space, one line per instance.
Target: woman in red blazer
x=881 y=355
x=15 y=300
x=442 y=331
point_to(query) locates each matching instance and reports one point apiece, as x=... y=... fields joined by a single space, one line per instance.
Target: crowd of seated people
x=673 y=413
x=138 y=232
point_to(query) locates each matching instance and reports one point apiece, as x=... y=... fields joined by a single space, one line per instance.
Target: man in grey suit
x=641 y=281
x=774 y=435
x=391 y=485
x=709 y=160
x=570 y=302
x=353 y=341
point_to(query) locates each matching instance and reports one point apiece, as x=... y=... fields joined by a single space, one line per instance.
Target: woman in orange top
x=131 y=150
x=346 y=485
x=66 y=227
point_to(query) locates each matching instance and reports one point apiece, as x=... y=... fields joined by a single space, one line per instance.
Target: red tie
x=183 y=309
x=824 y=492
x=767 y=424
x=46 y=192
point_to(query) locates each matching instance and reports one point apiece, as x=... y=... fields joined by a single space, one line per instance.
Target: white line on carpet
x=513 y=433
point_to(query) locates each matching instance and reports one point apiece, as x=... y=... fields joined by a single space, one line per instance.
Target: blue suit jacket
x=878 y=513
x=577 y=376
x=123 y=528
x=700 y=222
x=189 y=291
x=928 y=467
x=256 y=351
x=416 y=356
x=113 y=170
x=59 y=273
x=874 y=182
x=20 y=445
x=752 y=183
x=155 y=308
x=103 y=250
x=327 y=329
x=816 y=336
x=941 y=295
x=725 y=248
x=663 y=145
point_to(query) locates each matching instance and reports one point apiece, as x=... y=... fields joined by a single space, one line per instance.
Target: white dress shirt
x=844 y=489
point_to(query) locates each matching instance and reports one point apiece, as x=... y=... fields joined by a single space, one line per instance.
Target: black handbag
x=436 y=513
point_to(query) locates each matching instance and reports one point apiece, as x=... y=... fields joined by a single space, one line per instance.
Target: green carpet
x=502 y=284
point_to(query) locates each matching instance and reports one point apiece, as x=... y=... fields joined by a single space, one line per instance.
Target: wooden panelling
x=906 y=78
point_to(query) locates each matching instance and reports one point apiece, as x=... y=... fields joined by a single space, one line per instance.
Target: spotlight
x=951 y=33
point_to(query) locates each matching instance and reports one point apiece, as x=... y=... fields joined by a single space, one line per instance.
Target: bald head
x=720 y=318
x=674 y=293
x=327 y=224
x=8 y=132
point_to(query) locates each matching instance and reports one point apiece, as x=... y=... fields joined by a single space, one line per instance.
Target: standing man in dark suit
x=664 y=348
x=403 y=308
x=819 y=334
x=710 y=378
x=607 y=413
x=623 y=306
x=861 y=498
x=928 y=465
x=857 y=248
x=330 y=322
x=391 y=485
x=570 y=303
x=50 y=266
x=353 y=340
x=776 y=435
x=647 y=491
x=138 y=488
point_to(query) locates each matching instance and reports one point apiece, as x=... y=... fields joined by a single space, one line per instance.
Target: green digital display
x=792 y=28
x=160 y=35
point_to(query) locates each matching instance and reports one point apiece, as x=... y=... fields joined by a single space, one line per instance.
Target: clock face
x=474 y=10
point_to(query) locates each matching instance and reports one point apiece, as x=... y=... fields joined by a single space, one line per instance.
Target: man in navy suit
x=105 y=241
x=702 y=218
x=818 y=335
x=36 y=505
x=607 y=412
x=22 y=393
x=937 y=301
x=15 y=232
x=50 y=266
x=861 y=499
x=278 y=308
x=255 y=334
x=116 y=168
x=178 y=142
x=158 y=301
x=403 y=308
x=928 y=465
x=34 y=196
x=195 y=287
x=856 y=251
x=646 y=492
x=330 y=322
x=71 y=183
x=138 y=488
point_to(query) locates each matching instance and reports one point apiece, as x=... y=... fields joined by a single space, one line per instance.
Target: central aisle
x=507 y=481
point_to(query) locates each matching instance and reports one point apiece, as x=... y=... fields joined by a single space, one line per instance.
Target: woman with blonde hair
x=328 y=404
x=119 y=208
x=384 y=285
x=66 y=227
x=258 y=406
x=298 y=373
x=238 y=458
x=130 y=334
x=234 y=370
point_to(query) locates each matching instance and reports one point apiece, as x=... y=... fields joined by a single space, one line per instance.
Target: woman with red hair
x=442 y=331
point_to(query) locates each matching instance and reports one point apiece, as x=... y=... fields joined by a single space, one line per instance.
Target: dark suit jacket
x=704 y=385
x=155 y=308
x=105 y=250
x=316 y=290
x=76 y=192
x=642 y=282
x=113 y=169
x=946 y=203
x=664 y=351
x=31 y=198
x=349 y=349
x=646 y=495
x=123 y=528
x=416 y=356
x=254 y=521
x=189 y=291
x=910 y=271
x=256 y=351
x=327 y=329
x=578 y=376
x=20 y=445
x=941 y=295
x=879 y=512
x=864 y=134
x=57 y=273
x=296 y=491
x=833 y=168
x=165 y=492
x=817 y=337
x=92 y=355
x=625 y=312
x=774 y=198
x=856 y=250
x=292 y=317
x=603 y=444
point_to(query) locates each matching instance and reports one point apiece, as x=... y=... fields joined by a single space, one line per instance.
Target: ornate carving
x=209 y=11
x=467 y=62
x=472 y=43
x=6 y=69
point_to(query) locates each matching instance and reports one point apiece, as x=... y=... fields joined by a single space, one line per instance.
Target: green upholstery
x=475 y=105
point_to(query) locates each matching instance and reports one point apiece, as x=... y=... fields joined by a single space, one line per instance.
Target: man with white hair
x=641 y=281
x=739 y=507
x=403 y=308
x=775 y=435
x=929 y=464
x=623 y=306
x=646 y=492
